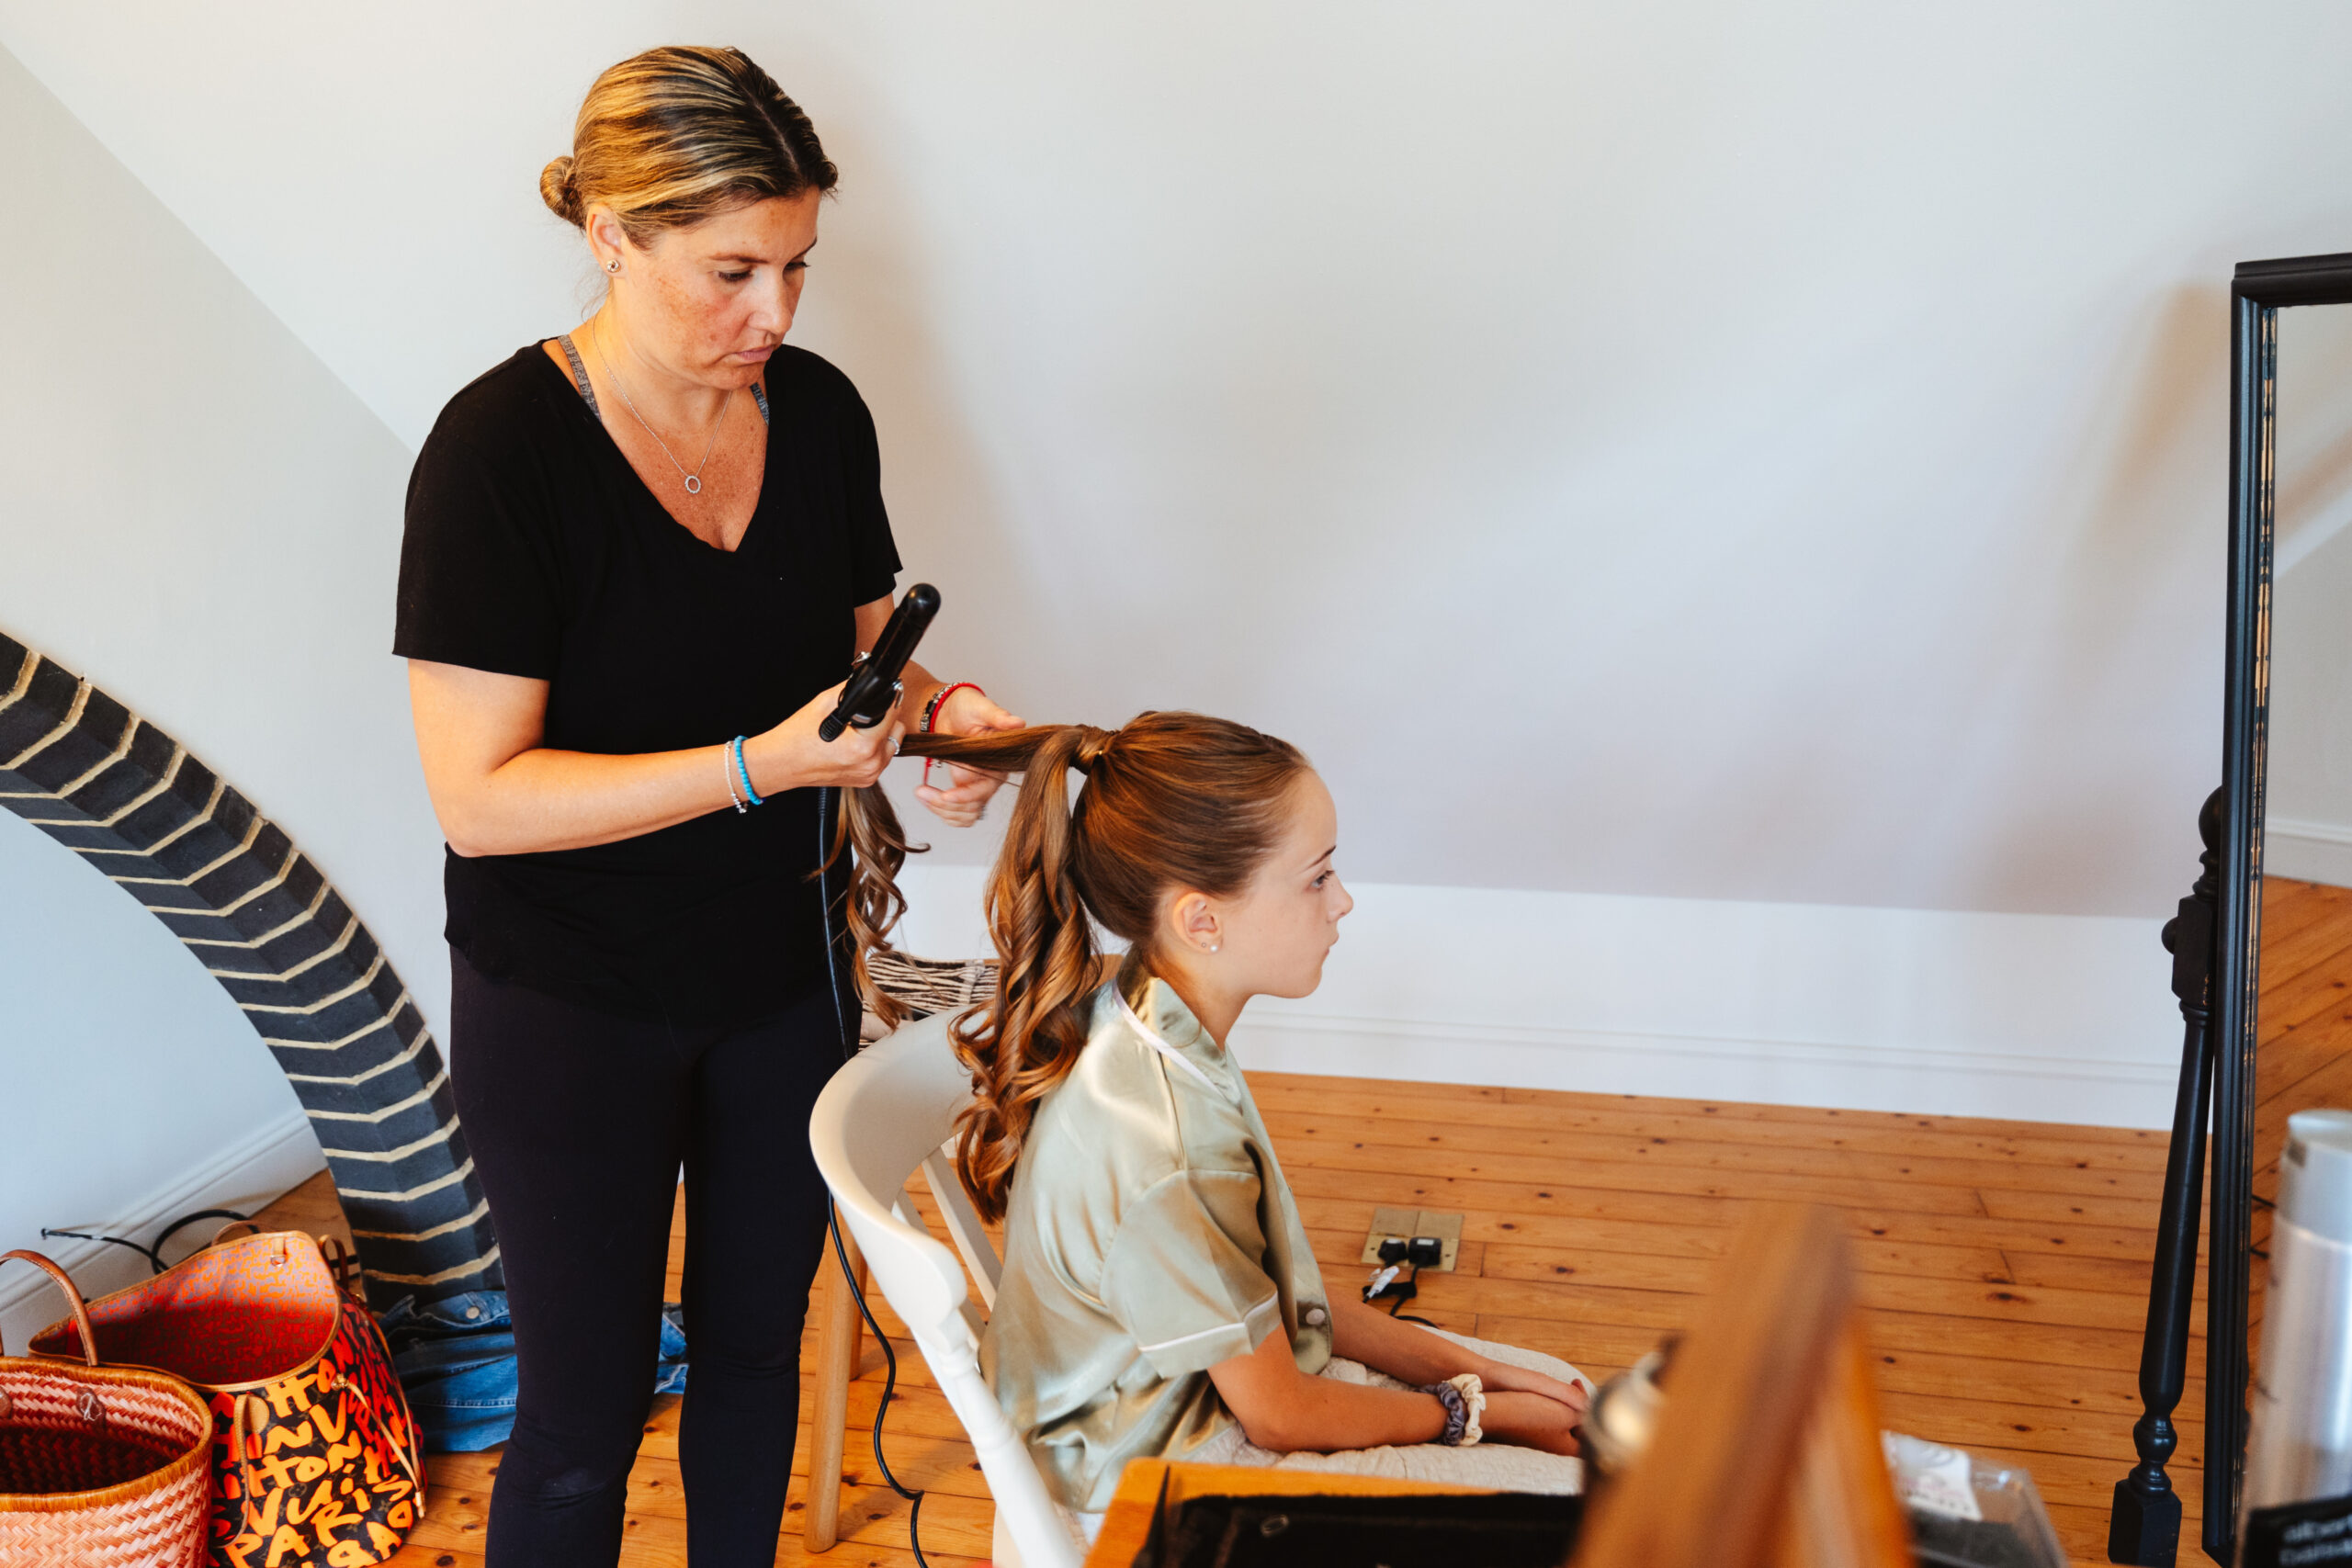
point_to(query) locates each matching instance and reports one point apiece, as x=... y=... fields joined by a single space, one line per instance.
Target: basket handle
x=223 y=1234
x=66 y=1283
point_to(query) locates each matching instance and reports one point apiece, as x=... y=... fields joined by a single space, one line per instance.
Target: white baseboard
x=257 y=1169
x=2308 y=852
x=2041 y=1018
x=1769 y=1072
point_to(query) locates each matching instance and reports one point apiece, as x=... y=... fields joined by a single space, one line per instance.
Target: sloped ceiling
x=1692 y=449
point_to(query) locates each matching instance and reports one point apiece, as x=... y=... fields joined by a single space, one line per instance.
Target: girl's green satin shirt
x=1149 y=1234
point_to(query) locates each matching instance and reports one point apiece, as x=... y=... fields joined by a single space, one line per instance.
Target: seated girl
x=1160 y=1296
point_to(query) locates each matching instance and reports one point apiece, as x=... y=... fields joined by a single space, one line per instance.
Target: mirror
x=2304 y=999
x=2263 y=944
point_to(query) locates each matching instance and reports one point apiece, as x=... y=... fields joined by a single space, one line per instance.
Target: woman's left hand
x=966 y=712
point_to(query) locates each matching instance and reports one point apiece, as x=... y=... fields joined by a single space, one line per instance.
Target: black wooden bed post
x=2144 y=1527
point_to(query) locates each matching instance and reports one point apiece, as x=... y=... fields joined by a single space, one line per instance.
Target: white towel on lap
x=1499 y=1467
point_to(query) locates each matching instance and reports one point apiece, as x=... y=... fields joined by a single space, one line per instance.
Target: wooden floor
x=2005 y=1264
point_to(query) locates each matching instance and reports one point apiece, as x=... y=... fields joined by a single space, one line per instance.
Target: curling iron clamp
x=873 y=686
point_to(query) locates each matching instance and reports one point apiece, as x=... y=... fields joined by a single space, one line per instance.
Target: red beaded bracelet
x=939 y=700
x=931 y=712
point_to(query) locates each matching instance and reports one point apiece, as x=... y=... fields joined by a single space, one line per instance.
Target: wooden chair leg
x=839 y=1345
x=856 y=1319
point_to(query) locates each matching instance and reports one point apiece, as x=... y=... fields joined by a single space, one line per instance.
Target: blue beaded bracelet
x=735 y=748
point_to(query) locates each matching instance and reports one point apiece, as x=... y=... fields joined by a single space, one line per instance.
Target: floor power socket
x=1408 y=1227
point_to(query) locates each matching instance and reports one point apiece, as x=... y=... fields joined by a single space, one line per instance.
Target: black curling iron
x=873 y=688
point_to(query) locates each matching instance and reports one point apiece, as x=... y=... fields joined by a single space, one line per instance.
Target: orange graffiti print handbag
x=316 y=1463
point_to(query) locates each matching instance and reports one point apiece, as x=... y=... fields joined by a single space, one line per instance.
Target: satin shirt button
x=1317 y=1317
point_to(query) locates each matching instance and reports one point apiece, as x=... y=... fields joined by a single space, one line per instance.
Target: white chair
x=887 y=1113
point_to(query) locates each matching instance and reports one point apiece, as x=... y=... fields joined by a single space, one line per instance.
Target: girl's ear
x=1198 y=929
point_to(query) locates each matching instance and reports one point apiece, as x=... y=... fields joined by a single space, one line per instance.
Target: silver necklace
x=694 y=480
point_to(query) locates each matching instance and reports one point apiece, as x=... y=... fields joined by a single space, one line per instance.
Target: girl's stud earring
x=613 y=265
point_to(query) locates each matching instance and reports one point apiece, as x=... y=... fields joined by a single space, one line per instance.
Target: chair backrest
x=887 y=1113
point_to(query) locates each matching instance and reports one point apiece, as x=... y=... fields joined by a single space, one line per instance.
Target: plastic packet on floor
x=1967 y=1513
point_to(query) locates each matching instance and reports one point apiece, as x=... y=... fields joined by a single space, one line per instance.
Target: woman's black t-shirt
x=533 y=548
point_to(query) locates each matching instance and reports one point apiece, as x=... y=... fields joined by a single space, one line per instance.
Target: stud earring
x=614 y=266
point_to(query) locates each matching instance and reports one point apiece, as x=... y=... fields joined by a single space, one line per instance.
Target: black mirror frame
x=2145 y=1524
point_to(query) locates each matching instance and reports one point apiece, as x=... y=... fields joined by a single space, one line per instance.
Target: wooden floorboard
x=2004 y=1265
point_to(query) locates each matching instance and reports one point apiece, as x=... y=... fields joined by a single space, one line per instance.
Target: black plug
x=1393 y=1249
x=1423 y=1252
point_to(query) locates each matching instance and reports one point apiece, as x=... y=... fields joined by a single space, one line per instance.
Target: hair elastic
x=735 y=748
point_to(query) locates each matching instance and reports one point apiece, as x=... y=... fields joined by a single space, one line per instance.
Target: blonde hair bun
x=556 y=189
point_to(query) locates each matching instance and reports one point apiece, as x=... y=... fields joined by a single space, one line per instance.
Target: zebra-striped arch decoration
x=164 y=827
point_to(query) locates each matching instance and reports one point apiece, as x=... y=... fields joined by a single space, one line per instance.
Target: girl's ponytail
x=1026 y=1039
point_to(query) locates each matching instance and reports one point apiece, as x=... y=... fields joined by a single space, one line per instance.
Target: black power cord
x=154 y=1254
x=889 y=1386
x=1417 y=1253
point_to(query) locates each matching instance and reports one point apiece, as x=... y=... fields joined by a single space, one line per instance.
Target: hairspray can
x=2299 y=1456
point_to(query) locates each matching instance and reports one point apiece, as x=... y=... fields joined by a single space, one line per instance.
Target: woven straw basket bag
x=100 y=1467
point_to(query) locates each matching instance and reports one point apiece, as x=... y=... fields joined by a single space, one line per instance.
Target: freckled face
x=710 y=301
x=1284 y=925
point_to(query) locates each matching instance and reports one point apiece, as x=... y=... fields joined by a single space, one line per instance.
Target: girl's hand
x=790 y=756
x=966 y=796
x=1532 y=1421
x=1504 y=1378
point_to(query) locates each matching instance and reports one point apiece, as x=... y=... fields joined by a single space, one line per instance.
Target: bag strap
x=66 y=1283
x=344 y=1265
x=415 y=1466
x=580 y=375
x=223 y=1234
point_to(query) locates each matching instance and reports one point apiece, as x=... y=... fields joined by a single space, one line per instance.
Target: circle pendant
x=694 y=484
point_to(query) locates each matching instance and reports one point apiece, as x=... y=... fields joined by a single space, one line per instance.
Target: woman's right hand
x=791 y=756
x=1532 y=1421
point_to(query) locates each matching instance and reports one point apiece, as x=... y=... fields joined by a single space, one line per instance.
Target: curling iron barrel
x=873 y=686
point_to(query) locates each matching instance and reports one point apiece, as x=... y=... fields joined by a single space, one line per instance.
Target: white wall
x=136 y=1090
x=2036 y=1017
x=1815 y=413
x=2309 y=806
x=198 y=516
x=1681 y=452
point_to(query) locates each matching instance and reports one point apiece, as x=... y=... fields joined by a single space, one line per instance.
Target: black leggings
x=577 y=1122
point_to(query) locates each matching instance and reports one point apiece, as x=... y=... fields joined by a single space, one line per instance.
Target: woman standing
x=638 y=561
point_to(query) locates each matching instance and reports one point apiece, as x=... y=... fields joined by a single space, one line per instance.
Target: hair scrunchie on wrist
x=1474 y=1394
x=1464 y=1399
